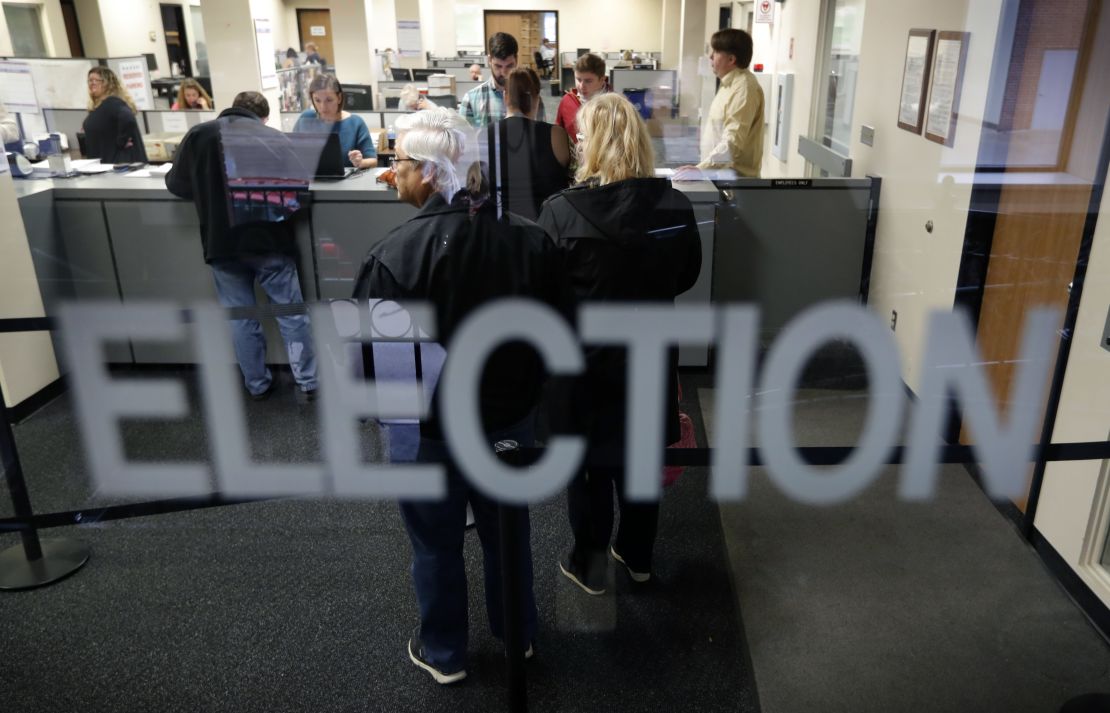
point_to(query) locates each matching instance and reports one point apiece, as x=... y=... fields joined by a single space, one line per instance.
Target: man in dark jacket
x=456 y=255
x=242 y=242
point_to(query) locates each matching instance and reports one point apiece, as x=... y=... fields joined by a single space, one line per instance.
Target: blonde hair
x=112 y=88
x=615 y=144
x=196 y=86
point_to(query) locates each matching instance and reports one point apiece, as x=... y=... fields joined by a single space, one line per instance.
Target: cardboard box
x=441 y=85
x=161 y=147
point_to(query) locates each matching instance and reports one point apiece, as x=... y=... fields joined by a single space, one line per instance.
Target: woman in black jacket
x=111 y=131
x=627 y=236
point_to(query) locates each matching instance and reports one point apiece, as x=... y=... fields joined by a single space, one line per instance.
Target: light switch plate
x=867 y=135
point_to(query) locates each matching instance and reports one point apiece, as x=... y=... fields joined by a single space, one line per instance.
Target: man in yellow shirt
x=732 y=134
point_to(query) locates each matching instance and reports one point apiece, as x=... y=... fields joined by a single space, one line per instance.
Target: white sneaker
x=640 y=577
x=416 y=654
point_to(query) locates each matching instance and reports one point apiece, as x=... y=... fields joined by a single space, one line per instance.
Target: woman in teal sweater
x=328 y=114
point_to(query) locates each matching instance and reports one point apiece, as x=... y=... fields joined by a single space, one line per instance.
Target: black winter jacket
x=112 y=133
x=457 y=263
x=200 y=175
x=629 y=241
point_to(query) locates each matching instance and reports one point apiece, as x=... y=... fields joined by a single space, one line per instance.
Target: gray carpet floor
x=292 y=605
x=879 y=605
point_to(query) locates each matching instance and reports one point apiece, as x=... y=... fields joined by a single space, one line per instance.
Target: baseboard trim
x=37 y=400
x=1084 y=597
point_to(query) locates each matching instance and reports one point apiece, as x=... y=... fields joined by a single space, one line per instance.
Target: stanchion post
x=511 y=588
x=33 y=563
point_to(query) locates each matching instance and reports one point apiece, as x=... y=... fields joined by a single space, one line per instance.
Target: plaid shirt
x=485 y=104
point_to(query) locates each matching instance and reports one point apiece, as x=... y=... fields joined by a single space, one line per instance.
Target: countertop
x=363 y=187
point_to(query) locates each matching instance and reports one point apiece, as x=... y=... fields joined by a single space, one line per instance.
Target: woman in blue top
x=327 y=114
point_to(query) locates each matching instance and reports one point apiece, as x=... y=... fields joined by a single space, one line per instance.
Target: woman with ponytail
x=529 y=159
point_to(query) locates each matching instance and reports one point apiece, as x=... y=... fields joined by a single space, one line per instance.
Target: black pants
x=590 y=510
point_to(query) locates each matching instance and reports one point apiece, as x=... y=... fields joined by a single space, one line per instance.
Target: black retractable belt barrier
x=33 y=562
x=512 y=539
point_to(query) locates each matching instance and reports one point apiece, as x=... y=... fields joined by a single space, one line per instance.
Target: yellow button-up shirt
x=732 y=135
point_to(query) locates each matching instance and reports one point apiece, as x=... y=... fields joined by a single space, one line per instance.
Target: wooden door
x=1039 y=224
x=503 y=22
x=315 y=26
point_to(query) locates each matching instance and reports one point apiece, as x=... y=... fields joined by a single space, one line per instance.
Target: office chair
x=542 y=65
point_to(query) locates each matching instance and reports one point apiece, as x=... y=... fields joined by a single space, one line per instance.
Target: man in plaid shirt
x=485 y=103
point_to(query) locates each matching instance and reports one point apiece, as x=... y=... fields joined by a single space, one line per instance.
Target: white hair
x=410 y=96
x=437 y=138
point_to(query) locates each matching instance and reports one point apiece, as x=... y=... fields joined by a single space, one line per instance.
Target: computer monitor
x=448 y=100
x=421 y=75
x=358 y=97
x=583 y=50
x=400 y=74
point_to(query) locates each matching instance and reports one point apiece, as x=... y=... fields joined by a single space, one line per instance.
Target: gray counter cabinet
x=127 y=238
x=343 y=232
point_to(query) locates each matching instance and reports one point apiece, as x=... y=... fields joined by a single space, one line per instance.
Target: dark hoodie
x=630 y=241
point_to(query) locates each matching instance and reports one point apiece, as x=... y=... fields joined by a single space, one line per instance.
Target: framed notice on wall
x=135 y=79
x=267 y=66
x=947 y=78
x=915 y=79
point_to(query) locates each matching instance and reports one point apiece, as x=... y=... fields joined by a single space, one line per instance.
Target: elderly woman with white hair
x=457 y=255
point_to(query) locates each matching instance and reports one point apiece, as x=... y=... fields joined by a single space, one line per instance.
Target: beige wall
x=612 y=25
x=229 y=30
x=92 y=27
x=27 y=361
x=1074 y=500
x=53 y=28
x=915 y=272
x=121 y=28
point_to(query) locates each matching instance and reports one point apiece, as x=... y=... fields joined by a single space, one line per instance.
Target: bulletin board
x=61 y=83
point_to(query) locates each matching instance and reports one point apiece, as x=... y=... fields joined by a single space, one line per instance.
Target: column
x=691 y=51
x=232 y=51
x=27 y=362
x=354 y=53
x=670 y=41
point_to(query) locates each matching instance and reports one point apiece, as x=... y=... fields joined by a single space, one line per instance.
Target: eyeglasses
x=93 y=82
x=393 y=161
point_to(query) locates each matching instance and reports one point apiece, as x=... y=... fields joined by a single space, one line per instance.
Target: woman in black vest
x=111 y=131
x=530 y=158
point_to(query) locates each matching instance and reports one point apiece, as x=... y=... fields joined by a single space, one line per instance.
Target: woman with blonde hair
x=628 y=237
x=191 y=95
x=111 y=131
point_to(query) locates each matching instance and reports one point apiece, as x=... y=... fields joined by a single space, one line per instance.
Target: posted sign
x=132 y=75
x=764 y=11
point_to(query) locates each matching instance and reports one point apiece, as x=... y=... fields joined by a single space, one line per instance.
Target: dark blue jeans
x=436 y=530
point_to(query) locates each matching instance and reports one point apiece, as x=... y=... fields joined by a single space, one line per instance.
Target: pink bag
x=686 y=439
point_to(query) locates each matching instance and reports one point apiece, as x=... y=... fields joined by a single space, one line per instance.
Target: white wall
x=597 y=24
x=125 y=27
x=792 y=48
x=53 y=28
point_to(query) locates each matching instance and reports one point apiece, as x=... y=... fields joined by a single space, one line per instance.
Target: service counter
x=122 y=238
